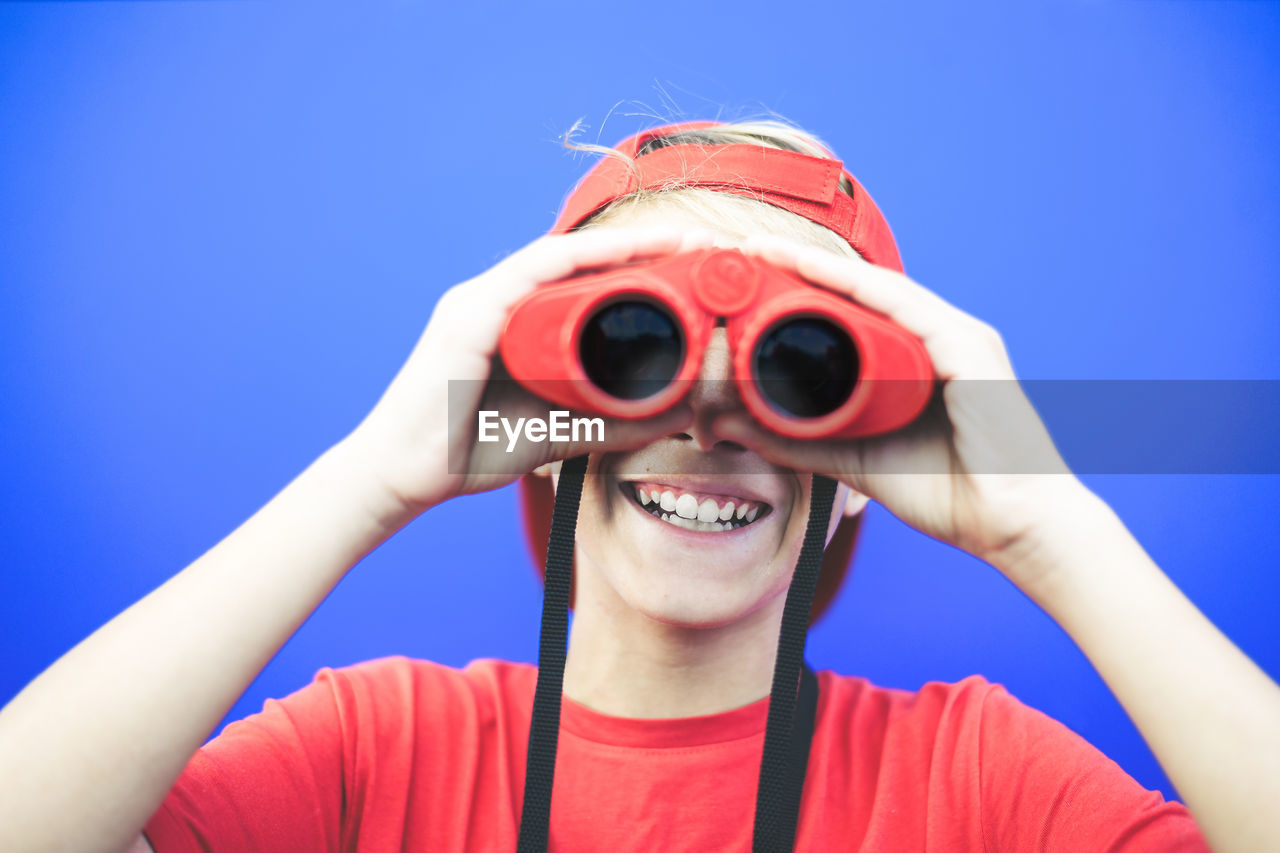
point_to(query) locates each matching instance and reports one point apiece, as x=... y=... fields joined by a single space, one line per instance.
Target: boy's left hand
x=977 y=469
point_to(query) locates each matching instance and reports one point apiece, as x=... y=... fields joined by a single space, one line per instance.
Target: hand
x=972 y=469
x=419 y=440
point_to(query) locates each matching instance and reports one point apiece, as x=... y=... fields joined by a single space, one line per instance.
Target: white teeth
x=685 y=511
x=695 y=525
x=708 y=511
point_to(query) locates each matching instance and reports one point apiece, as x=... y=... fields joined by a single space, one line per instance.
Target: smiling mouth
x=696 y=511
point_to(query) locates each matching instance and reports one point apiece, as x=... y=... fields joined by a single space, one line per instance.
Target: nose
x=714 y=392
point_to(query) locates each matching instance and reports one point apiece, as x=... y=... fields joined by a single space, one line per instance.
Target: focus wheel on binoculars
x=725 y=283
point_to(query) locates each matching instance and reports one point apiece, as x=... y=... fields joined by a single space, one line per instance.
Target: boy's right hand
x=407 y=441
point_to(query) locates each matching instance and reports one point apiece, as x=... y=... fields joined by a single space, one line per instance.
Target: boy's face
x=692 y=572
x=692 y=569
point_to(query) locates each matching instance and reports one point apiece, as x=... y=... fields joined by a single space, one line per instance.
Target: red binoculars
x=628 y=343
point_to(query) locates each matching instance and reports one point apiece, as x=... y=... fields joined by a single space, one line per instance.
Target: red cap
x=807 y=186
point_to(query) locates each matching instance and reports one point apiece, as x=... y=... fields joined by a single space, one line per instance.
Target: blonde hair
x=733 y=213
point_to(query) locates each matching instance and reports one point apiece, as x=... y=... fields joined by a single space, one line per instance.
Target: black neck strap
x=782 y=767
x=544 y=728
x=788 y=732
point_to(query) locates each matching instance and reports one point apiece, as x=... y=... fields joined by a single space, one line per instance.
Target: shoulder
x=968 y=718
x=404 y=689
x=936 y=702
x=1021 y=779
x=404 y=673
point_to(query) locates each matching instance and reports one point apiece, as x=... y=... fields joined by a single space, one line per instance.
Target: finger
x=557 y=256
x=886 y=291
x=912 y=451
x=476 y=310
x=959 y=344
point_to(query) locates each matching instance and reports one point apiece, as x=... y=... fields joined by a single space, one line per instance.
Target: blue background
x=224 y=224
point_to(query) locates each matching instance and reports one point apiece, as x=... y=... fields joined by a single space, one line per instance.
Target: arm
x=979 y=471
x=91 y=747
x=103 y=733
x=1209 y=714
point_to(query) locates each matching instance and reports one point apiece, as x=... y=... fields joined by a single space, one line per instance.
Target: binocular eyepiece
x=804 y=367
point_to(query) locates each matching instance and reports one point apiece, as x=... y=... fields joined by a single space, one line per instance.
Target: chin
x=682 y=601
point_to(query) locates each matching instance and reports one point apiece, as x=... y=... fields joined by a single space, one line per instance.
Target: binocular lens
x=806 y=367
x=631 y=350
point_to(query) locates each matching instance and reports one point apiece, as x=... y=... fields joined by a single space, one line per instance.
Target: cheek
x=597 y=533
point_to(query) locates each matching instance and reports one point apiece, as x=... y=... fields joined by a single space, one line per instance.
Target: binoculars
x=628 y=342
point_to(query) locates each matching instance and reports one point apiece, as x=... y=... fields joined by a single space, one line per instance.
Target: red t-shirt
x=400 y=754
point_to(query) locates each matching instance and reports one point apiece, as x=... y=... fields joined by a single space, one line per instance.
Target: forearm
x=1209 y=714
x=90 y=748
